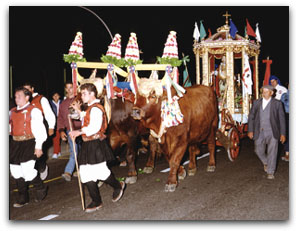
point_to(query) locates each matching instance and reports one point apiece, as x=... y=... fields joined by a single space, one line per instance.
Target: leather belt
x=23 y=138
x=93 y=137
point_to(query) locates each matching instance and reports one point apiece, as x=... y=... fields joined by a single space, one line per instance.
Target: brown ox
x=199 y=107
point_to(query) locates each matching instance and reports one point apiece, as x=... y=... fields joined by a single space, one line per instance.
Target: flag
x=210 y=32
x=250 y=30
x=233 y=29
x=203 y=33
x=247 y=77
x=196 y=32
x=258 y=37
x=186 y=79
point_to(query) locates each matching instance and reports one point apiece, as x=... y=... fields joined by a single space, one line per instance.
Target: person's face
x=21 y=99
x=69 y=90
x=56 y=97
x=266 y=93
x=31 y=89
x=86 y=96
x=274 y=82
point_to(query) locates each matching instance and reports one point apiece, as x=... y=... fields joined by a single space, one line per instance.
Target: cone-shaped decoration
x=171 y=47
x=132 y=49
x=114 y=50
x=77 y=46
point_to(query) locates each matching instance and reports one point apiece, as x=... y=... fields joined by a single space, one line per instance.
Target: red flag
x=250 y=30
x=210 y=32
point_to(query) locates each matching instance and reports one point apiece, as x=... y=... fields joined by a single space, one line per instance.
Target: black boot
x=40 y=189
x=117 y=186
x=95 y=195
x=22 y=187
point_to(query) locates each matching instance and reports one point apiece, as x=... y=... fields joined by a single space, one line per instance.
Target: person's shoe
x=44 y=174
x=75 y=174
x=66 y=176
x=285 y=158
x=117 y=194
x=123 y=164
x=92 y=207
x=100 y=183
x=20 y=204
x=56 y=155
x=270 y=176
x=41 y=194
x=265 y=168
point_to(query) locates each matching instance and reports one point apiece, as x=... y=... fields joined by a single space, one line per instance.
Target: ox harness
x=171 y=115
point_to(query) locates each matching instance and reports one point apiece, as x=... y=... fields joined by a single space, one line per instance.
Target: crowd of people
x=35 y=120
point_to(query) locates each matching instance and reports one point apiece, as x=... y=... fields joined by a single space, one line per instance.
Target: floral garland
x=70 y=58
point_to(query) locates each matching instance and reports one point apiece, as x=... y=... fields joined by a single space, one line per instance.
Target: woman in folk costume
x=95 y=152
x=28 y=134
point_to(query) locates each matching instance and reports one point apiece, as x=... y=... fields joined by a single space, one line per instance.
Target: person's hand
x=251 y=135
x=283 y=139
x=38 y=152
x=63 y=135
x=76 y=105
x=74 y=134
x=50 y=131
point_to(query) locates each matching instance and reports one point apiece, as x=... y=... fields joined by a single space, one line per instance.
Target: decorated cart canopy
x=227 y=47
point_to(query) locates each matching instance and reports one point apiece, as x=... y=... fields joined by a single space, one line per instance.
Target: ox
x=199 y=108
x=124 y=131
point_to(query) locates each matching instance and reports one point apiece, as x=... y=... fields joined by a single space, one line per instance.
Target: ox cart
x=222 y=62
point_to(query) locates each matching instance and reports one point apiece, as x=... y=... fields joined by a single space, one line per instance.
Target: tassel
x=74 y=77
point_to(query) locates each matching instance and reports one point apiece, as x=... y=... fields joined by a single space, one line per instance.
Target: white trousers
x=25 y=170
x=94 y=172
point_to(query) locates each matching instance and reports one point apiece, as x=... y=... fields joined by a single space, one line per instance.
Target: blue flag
x=233 y=29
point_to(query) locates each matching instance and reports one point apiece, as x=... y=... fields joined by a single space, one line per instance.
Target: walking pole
x=75 y=154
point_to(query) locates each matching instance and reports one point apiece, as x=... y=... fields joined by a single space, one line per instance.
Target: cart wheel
x=233 y=149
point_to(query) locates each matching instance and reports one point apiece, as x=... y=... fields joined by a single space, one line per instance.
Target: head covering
x=114 y=50
x=77 y=46
x=274 y=77
x=171 y=47
x=132 y=49
x=269 y=87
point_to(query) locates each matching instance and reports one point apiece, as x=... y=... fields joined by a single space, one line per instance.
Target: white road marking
x=186 y=162
x=49 y=217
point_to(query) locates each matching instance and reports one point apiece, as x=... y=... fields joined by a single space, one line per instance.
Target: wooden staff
x=77 y=167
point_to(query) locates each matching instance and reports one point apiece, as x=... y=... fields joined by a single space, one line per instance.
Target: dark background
x=39 y=36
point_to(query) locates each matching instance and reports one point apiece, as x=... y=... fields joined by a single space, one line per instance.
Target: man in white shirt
x=28 y=134
x=42 y=104
x=95 y=152
x=276 y=83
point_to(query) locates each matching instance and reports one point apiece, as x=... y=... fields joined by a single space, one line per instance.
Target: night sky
x=39 y=36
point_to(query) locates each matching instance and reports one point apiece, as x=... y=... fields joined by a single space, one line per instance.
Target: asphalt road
x=237 y=190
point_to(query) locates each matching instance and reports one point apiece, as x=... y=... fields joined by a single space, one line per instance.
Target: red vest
x=36 y=101
x=86 y=121
x=20 y=121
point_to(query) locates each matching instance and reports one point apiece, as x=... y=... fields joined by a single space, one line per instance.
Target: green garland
x=73 y=58
x=113 y=60
x=174 y=62
x=131 y=62
x=120 y=62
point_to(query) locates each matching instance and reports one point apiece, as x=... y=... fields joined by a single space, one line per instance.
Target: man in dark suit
x=266 y=125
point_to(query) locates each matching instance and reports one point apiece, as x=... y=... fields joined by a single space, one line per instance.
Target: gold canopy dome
x=222 y=46
x=218 y=43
